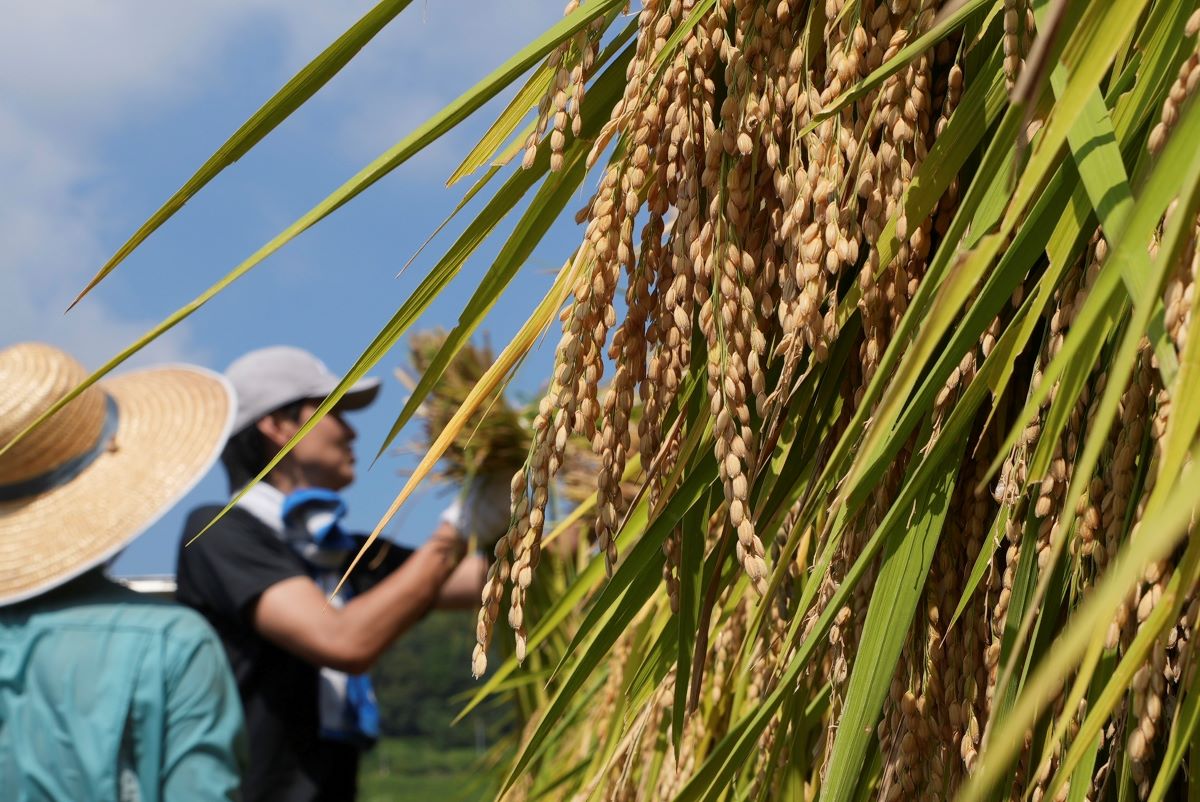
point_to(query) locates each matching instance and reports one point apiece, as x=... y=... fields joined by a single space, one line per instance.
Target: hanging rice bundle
x=782 y=210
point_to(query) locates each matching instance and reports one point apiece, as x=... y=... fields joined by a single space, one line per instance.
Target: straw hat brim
x=172 y=425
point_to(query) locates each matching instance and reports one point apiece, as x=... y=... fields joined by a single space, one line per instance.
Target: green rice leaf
x=894 y=600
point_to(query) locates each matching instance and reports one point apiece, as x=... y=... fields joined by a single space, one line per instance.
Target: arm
x=295 y=615
x=204 y=739
x=462 y=590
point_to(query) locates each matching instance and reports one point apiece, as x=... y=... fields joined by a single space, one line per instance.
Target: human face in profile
x=325 y=457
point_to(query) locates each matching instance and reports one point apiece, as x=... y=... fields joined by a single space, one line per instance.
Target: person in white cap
x=105 y=694
x=263 y=574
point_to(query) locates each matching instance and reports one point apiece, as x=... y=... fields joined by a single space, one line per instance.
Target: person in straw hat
x=263 y=574
x=105 y=694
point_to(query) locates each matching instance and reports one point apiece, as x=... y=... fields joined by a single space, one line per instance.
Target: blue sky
x=106 y=107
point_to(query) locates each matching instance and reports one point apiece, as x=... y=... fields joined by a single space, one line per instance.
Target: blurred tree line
x=424 y=680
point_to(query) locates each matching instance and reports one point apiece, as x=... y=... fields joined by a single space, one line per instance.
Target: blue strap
x=361 y=714
x=61 y=474
x=321 y=511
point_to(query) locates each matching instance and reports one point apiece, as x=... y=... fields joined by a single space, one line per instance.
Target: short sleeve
x=226 y=569
x=205 y=748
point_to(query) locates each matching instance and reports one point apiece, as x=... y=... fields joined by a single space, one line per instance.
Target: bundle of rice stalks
x=497 y=436
x=498 y=433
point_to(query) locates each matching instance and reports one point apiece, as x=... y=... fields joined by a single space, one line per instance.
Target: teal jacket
x=109 y=695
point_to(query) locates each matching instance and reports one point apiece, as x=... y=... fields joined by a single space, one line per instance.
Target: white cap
x=274 y=377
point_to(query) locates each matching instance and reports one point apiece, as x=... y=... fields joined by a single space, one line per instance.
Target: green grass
x=412 y=769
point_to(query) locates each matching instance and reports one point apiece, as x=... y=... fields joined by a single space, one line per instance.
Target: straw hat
x=89 y=480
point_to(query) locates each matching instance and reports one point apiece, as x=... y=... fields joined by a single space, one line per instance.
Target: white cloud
x=74 y=76
x=50 y=243
x=94 y=62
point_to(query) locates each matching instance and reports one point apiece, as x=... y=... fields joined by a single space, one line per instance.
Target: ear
x=277 y=430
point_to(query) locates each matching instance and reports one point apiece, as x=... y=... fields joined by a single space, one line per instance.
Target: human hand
x=481 y=510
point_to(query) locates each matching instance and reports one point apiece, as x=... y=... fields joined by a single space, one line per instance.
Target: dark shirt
x=222 y=575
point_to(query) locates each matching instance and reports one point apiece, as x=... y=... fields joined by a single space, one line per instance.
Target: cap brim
x=362 y=394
